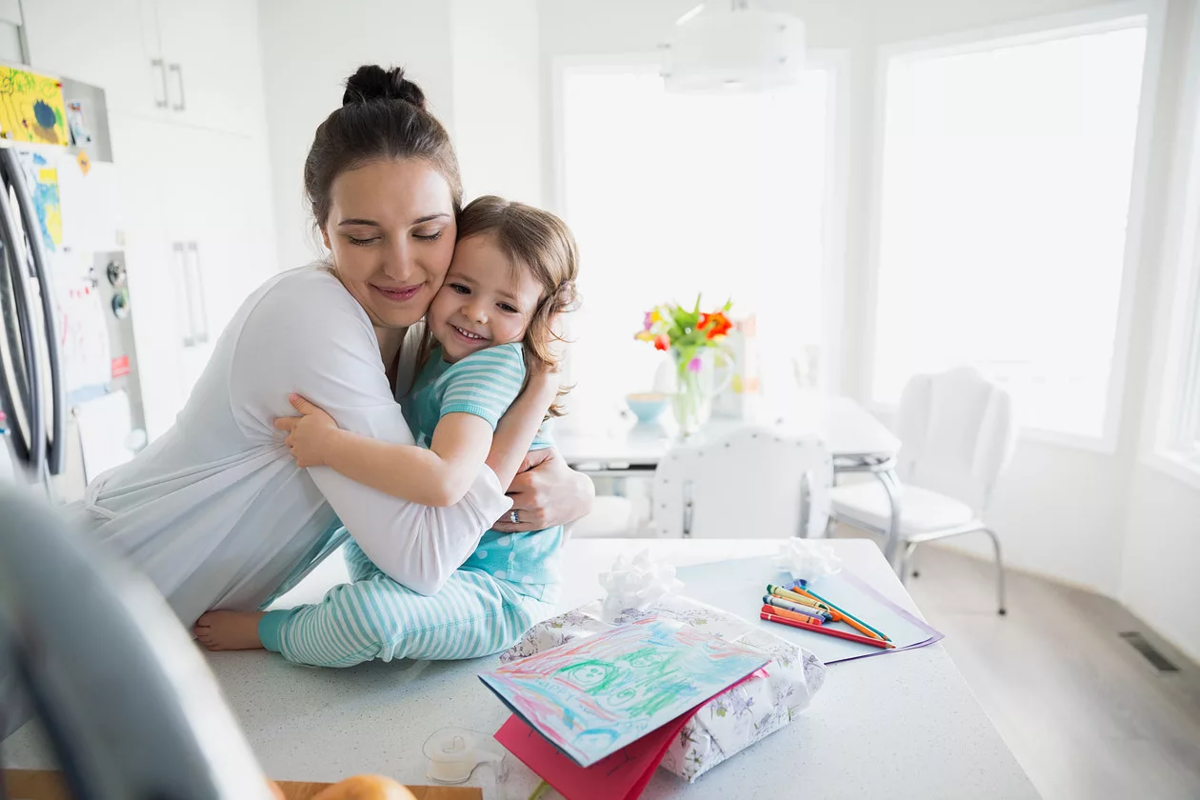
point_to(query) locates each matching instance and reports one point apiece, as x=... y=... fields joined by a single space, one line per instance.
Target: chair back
x=957 y=433
x=751 y=483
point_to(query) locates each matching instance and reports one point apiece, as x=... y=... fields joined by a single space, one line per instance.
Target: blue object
x=647 y=407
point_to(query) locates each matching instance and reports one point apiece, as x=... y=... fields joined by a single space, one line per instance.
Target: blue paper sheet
x=738 y=587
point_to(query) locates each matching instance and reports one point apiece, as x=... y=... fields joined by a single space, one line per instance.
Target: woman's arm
x=470 y=397
x=308 y=335
x=439 y=476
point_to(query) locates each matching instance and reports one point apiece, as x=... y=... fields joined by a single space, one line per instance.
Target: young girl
x=513 y=273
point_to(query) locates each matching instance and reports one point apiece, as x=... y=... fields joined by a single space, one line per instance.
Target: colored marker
x=853 y=637
x=849 y=619
x=779 y=602
x=783 y=612
x=788 y=594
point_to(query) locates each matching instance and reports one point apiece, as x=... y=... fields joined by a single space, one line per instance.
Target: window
x=671 y=196
x=1187 y=441
x=1179 y=428
x=1005 y=192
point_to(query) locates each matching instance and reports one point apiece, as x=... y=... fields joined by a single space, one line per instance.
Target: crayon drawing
x=41 y=178
x=31 y=107
x=595 y=697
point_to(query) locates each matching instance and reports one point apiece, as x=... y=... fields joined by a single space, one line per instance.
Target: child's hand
x=307 y=434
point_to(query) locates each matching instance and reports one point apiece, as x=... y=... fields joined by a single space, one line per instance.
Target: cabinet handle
x=178 y=70
x=200 y=333
x=157 y=63
x=187 y=322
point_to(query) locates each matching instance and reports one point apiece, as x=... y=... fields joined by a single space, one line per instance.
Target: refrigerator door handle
x=14 y=394
x=197 y=293
x=178 y=70
x=27 y=366
x=183 y=301
x=157 y=63
x=57 y=434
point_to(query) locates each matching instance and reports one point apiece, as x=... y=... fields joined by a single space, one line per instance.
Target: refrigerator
x=69 y=388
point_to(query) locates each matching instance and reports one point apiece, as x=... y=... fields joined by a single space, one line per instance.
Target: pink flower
x=695 y=365
x=649 y=320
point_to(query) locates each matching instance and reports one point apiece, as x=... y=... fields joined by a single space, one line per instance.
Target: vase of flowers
x=695 y=340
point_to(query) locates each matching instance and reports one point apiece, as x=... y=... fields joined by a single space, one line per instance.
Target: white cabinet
x=199 y=241
x=214 y=76
x=184 y=61
x=183 y=80
x=108 y=44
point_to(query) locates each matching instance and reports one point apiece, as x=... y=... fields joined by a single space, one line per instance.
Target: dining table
x=615 y=447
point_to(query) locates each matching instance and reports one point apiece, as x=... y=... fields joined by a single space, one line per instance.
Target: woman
x=216 y=512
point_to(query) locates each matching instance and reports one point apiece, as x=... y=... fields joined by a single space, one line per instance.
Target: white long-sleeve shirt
x=217 y=513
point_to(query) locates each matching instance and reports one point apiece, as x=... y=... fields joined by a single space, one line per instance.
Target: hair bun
x=373 y=82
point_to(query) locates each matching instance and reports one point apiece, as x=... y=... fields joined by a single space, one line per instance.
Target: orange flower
x=662 y=342
x=720 y=324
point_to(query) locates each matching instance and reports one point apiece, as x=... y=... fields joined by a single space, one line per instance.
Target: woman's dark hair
x=382 y=116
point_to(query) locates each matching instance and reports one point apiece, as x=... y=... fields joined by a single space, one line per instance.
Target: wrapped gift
x=730 y=722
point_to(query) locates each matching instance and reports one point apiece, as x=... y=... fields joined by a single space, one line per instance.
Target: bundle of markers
x=801 y=608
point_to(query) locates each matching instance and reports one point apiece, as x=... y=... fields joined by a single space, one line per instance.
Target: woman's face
x=391 y=231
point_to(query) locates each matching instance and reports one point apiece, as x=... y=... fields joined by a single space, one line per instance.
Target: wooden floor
x=1084 y=712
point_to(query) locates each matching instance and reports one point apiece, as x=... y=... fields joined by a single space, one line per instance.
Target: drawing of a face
x=645 y=660
x=589 y=674
x=621 y=698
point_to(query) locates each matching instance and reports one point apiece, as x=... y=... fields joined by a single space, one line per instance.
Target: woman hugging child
x=492 y=321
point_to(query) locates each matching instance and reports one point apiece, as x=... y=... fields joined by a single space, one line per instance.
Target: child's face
x=480 y=305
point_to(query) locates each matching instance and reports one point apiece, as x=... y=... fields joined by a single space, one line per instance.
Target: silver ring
x=513 y=518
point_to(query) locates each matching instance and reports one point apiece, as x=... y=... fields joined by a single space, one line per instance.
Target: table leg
x=891 y=485
x=805 y=504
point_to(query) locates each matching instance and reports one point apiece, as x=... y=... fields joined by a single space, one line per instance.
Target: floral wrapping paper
x=730 y=722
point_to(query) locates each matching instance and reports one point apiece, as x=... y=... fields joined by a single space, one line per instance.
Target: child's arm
x=518 y=426
x=473 y=396
x=439 y=476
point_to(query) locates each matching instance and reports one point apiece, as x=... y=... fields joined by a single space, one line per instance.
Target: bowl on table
x=647 y=406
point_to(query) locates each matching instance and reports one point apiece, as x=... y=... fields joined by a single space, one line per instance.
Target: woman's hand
x=309 y=434
x=545 y=493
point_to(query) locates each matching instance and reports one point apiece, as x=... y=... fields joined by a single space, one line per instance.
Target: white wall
x=497 y=128
x=1162 y=554
x=309 y=48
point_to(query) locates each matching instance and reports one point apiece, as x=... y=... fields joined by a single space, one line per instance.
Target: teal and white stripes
x=473 y=615
x=483 y=383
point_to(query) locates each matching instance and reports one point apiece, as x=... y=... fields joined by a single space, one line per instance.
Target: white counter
x=897 y=726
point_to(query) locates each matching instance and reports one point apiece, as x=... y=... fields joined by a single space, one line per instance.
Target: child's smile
x=485 y=301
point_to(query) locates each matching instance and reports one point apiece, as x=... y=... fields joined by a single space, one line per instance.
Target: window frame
x=835 y=62
x=1099 y=19
x=1171 y=439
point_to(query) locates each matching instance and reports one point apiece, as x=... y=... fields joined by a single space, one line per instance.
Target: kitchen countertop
x=901 y=725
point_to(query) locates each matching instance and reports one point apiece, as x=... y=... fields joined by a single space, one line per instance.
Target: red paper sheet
x=621 y=776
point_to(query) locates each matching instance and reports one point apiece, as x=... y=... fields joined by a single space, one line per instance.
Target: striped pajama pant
x=373 y=617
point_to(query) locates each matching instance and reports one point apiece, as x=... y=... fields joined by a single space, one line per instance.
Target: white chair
x=957 y=435
x=611 y=518
x=752 y=483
